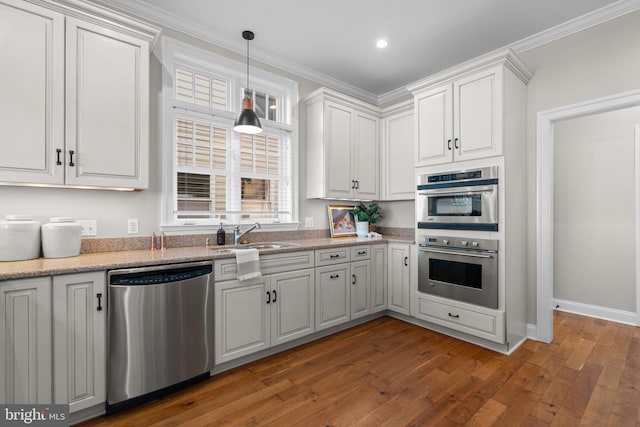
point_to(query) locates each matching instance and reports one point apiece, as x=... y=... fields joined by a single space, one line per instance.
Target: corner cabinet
x=398 y=179
x=25 y=341
x=342 y=147
x=464 y=114
x=77 y=96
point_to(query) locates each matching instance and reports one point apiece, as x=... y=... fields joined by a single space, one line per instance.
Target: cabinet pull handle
x=275 y=296
x=353 y=184
x=362 y=252
x=405 y=261
x=99 y=296
x=354 y=279
x=334 y=256
x=58 y=152
x=357 y=184
x=71 y=153
x=449 y=144
x=455 y=316
x=334 y=276
x=455 y=143
x=268 y=297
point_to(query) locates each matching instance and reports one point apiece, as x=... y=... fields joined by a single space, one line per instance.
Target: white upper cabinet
x=460 y=114
x=398 y=182
x=342 y=147
x=31 y=93
x=74 y=104
x=107 y=107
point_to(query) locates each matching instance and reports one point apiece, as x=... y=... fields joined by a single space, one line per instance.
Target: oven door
x=468 y=276
x=463 y=208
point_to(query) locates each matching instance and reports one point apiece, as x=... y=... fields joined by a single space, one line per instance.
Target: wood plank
x=390 y=373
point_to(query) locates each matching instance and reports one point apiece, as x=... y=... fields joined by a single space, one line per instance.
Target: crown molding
x=575 y=25
x=236 y=45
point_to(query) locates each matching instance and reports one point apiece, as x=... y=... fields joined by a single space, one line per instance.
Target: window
x=212 y=173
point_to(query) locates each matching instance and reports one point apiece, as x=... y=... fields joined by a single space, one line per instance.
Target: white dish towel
x=248 y=263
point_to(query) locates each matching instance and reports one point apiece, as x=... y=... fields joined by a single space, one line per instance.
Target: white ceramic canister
x=61 y=238
x=19 y=238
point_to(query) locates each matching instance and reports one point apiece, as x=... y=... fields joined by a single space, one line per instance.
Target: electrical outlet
x=89 y=227
x=308 y=221
x=132 y=226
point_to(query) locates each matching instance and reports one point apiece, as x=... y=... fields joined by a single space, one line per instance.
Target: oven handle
x=462 y=191
x=471 y=254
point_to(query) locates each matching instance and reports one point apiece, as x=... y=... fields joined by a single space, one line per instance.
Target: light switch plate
x=308 y=221
x=89 y=227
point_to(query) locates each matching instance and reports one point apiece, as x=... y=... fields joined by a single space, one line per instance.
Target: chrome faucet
x=237 y=235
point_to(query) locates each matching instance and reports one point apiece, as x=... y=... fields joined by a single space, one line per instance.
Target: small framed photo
x=342 y=221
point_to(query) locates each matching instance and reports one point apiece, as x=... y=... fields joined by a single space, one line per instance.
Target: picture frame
x=342 y=221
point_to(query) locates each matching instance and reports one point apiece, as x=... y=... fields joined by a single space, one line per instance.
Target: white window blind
x=216 y=174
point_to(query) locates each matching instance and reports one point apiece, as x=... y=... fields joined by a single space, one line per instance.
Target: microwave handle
x=449 y=191
x=471 y=254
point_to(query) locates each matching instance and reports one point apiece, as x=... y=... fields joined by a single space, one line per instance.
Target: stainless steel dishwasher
x=160 y=331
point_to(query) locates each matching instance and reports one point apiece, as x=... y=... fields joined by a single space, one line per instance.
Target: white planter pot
x=362 y=228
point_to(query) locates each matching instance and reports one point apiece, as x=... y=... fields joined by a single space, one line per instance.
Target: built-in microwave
x=458 y=200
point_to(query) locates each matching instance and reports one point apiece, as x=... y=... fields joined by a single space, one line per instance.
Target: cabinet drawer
x=474 y=322
x=226 y=269
x=360 y=252
x=333 y=256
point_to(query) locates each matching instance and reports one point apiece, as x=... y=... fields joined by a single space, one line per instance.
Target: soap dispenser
x=221 y=236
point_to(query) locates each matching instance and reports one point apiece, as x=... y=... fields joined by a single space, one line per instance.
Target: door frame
x=544 y=199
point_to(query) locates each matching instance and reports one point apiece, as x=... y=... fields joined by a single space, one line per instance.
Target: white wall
x=594 y=209
x=593 y=63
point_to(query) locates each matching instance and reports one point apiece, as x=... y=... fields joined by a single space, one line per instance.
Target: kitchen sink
x=276 y=245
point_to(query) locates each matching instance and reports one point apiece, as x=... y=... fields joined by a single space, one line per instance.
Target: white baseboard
x=532 y=331
x=612 y=314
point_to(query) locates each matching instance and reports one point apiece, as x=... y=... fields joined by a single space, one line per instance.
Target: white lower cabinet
x=25 y=341
x=333 y=295
x=378 y=279
x=399 y=278
x=471 y=319
x=79 y=340
x=360 y=289
x=255 y=314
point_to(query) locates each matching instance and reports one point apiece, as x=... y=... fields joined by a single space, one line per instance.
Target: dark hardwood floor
x=390 y=373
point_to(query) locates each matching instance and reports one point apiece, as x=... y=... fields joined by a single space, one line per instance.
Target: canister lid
x=61 y=219
x=19 y=218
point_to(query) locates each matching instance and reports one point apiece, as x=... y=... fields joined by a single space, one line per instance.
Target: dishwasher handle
x=145 y=276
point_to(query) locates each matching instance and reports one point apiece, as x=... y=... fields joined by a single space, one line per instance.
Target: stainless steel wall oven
x=459 y=269
x=459 y=200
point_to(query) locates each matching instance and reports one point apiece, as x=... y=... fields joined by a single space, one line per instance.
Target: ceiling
x=333 y=42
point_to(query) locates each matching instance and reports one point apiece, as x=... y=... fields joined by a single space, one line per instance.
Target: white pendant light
x=247 y=121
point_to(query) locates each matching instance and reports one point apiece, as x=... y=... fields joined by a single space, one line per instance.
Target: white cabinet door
x=360 y=288
x=366 y=167
x=292 y=305
x=398 y=157
x=399 y=279
x=107 y=88
x=241 y=318
x=333 y=295
x=338 y=139
x=477 y=115
x=31 y=93
x=25 y=341
x=79 y=340
x=378 y=278
x=434 y=126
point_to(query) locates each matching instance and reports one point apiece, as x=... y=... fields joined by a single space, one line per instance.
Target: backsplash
x=116 y=244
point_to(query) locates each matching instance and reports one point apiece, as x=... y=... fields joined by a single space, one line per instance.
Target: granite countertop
x=127 y=259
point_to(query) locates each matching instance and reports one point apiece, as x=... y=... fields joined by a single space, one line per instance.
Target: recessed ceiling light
x=382 y=43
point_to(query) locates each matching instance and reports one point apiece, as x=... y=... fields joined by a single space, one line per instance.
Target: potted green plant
x=366 y=215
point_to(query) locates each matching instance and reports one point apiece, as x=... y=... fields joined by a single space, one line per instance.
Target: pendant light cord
x=247 y=89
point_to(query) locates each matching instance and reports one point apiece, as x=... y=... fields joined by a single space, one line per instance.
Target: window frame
x=174 y=53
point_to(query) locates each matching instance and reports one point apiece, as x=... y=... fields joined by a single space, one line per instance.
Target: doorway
x=545 y=194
